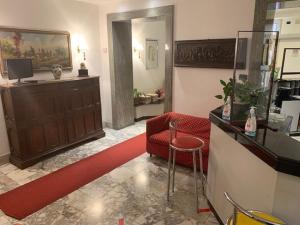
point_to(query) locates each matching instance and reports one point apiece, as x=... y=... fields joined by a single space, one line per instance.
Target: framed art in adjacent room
x=45 y=48
x=151 y=54
x=290 y=63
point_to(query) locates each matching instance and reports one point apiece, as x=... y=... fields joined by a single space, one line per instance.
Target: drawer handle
x=75 y=89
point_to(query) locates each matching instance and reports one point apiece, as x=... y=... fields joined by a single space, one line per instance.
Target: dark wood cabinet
x=43 y=118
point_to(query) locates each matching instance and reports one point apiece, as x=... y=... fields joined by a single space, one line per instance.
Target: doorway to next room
x=141 y=64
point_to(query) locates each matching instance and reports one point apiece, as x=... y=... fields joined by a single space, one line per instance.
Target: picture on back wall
x=151 y=54
x=45 y=48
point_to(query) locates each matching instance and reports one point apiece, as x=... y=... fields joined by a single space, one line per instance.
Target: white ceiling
x=98 y=2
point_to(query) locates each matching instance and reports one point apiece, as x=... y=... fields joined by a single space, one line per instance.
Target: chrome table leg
x=173 y=177
x=195 y=177
x=169 y=173
x=201 y=173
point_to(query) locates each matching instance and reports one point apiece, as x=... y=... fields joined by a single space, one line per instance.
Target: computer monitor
x=19 y=68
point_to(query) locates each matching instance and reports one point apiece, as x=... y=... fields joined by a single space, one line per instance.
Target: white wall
x=80 y=19
x=148 y=80
x=193 y=89
x=289 y=38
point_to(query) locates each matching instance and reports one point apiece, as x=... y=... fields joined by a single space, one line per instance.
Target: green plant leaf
x=225 y=98
x=219 y=96
x=223 y=82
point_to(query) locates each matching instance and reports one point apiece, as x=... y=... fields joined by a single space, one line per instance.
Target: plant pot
x=239 y=111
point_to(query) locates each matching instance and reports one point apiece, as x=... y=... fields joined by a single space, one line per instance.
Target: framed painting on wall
x=151 y=54
x=45 y=48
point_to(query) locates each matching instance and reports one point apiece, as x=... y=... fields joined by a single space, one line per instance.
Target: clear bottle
x=250 y=126
x=226 y=110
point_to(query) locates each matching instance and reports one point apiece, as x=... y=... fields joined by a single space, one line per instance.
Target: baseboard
x=107 y=125
x=295 y=133
x=4 y=159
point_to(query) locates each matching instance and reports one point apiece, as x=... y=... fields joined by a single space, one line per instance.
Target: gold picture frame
x=45 y=48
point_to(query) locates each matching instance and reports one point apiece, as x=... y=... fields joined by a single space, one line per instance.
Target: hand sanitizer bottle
x=226 y=110
x=250 y=127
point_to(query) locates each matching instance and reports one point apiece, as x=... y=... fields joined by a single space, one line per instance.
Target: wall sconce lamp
x=137 y=48
x=167 y=47
x=137 y=52
x=83 y=51
x=80 y=44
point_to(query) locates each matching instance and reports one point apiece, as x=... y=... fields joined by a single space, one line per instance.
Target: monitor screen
x=19 y=68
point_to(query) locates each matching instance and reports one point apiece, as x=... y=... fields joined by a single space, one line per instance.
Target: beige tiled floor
x=136 y=191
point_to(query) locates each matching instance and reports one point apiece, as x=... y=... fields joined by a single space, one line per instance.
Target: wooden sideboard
x=43 y=118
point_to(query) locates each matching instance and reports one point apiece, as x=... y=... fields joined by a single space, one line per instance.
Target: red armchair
x=157 y=131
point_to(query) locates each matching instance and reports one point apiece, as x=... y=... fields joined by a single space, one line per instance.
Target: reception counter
x=260 y=173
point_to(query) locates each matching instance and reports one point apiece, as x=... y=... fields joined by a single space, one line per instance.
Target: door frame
x=165 y=13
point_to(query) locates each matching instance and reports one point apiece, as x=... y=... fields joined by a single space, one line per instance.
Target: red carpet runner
x=31 y=197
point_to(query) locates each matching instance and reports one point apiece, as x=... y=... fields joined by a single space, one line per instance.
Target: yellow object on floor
x=245 y=220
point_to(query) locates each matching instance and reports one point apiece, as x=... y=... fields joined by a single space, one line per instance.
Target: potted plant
x=227 y=90
x=248 y=93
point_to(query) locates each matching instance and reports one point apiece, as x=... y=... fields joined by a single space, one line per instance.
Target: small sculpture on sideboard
x=83 y=71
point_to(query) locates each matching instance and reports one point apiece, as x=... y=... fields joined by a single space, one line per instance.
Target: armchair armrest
x=157 y=124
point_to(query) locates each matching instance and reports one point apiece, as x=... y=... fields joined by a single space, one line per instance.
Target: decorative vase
x=226 y=110
x=56 y=71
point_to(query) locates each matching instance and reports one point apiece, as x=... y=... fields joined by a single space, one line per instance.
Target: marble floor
x=135 y=191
